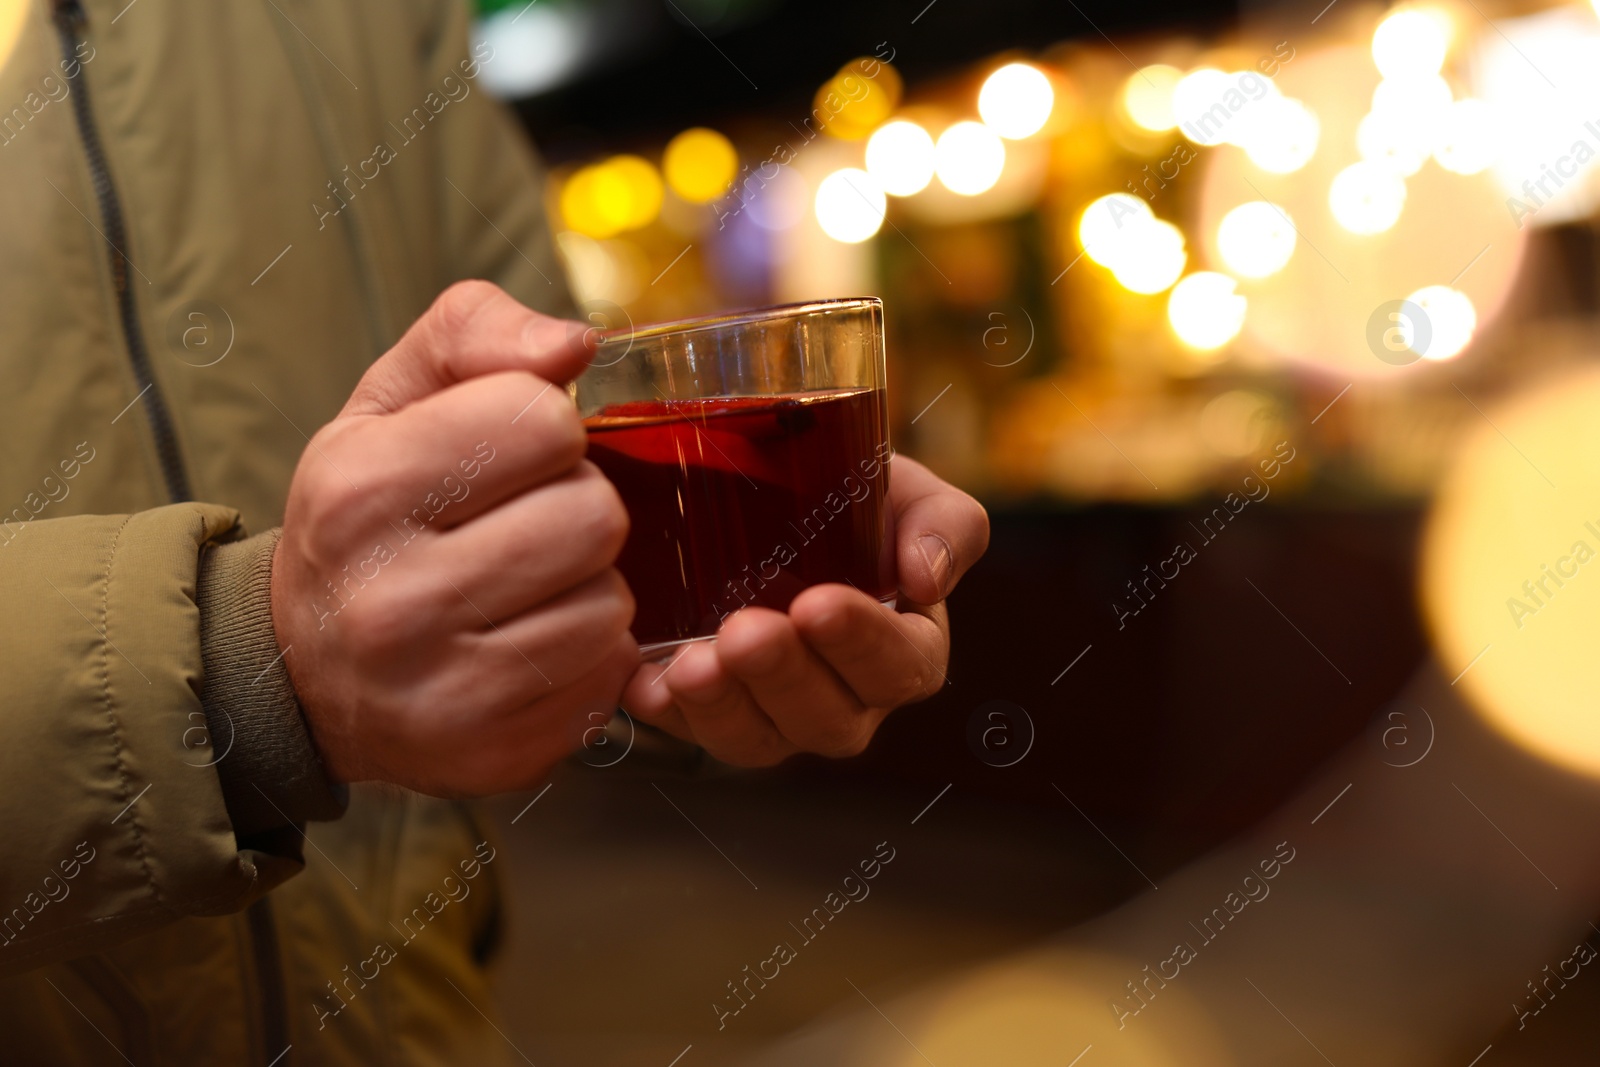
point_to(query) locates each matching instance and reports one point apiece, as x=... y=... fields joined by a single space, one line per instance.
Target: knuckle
x=330 y=505
x=916 y=683
x=604 y=516
x=559 y=431
x=571 y=439
x=458 y=305
x=374 y=632
x=840 y=738
x=538 y=330
x=334 y=500
x=620 y=602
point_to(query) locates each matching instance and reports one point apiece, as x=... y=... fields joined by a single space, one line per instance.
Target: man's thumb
x=473 y=328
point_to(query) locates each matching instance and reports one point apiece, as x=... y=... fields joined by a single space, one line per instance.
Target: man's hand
x=823 y=676
x=444 y=590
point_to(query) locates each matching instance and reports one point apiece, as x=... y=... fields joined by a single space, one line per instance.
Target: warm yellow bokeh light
x=1037 y=1010
x=850 y=205
x=1043 y=1008
x=1256 y=239
x=1367 y=198
x=605 y=199
x=699 y=164
x=1152 y=258
x=969 y=158
x=1206 y=310
x=1107 y=224
x=1147 y=97
x=1282 y=135
x=901 y=156
x=1422 y=101
x=1452 y=320
x=1510 y=578
x=643 y=182
x=610 y=271
x=850 y=105
x=1324 y=308
x=1016 y=100
x=610 y=197
x=1393 y=141
x=13 y=13
x=1410 y=43
x=580 y=208
x=1195 y=98
x=1465 y=142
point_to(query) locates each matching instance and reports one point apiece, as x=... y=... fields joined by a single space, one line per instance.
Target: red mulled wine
x=746 y=500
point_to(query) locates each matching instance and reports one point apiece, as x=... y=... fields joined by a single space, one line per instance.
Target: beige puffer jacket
x=219 y=212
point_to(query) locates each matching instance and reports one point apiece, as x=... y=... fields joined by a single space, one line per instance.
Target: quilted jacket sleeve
x=114 y=812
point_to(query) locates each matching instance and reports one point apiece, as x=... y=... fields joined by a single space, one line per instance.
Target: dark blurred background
x=1099 y=425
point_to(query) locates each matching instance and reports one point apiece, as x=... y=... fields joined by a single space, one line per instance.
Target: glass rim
x=745 y=317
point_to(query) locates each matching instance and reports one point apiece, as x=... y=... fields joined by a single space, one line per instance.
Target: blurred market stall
x=1124 y=270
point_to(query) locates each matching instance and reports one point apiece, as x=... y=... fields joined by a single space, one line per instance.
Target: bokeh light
x=1319 y=309
x=1147 y=97
x=1256 y=239
x=1107 y=224
x=1412 y=42
x=1540 y=75
x=1282 y=135
x=1420 y=101
x=1509 y=576
x=1206 y=310
x=1193 y=98
x=699 y=164
x=1151 y=258
x=611 y=271
x=1022 y=1011
x=1466 y=139
x=900 y=155
x=604 y=199
x=1393 y=141
x=850 y=205
x=535 y=49
x=969 y=158
x=783 y=202
x=581 y=209
x=1016 y=100
x=12 y=17
x=850 y=105
x=1452 y=320
x=1367 y=198
x=642 y=202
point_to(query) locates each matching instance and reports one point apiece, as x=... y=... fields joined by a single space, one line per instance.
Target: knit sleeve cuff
x=271 y=774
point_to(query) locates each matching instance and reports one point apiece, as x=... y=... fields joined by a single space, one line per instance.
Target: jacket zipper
x=69 y=16
x=269 y=975
x=114 y=989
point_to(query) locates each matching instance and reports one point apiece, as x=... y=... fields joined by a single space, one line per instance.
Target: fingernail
x=941 y=565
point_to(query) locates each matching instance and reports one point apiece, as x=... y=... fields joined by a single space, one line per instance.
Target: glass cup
x=752 y=452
